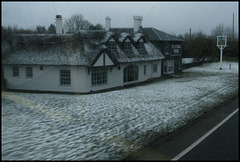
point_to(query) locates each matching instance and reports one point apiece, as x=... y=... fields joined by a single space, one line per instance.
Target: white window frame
x=155 y=67
x=112 y=45
x=15 y=71
x=168 y=66
x=65 y=77
x=145 y=70
x=130 y=73
x=127 y=46
x=29 y=72
x=99 y=76
x=141 y=46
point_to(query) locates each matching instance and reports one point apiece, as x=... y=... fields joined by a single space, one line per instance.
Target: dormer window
x=112 y=45
x=127 y=46
x=141 y=46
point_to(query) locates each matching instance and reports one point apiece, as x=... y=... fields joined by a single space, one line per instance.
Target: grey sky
x=170 y=17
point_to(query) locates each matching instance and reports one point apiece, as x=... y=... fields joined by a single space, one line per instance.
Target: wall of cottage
x=47 y=78
x=116 y=74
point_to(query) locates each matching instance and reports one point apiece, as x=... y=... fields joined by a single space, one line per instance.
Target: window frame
x=99 y=76
x=15 y=71
x=130 y=73
x=127 y=46
x=155 y=67
x=141 y=46
x=168 y=66
x=112 y=46
x=145 y=70
x=29 y=72
x=65 y=77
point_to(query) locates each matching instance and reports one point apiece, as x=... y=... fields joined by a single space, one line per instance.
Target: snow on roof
x=123 y=36
x=107 y=37
x=79 y=48
x=137 y=36
x=151 y=33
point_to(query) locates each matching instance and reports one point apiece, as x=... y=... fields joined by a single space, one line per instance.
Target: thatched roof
x=79 y=48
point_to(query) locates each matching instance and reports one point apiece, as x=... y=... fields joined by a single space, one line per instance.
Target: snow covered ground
x=110 y=125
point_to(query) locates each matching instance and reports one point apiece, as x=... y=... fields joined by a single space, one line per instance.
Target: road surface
x=213 y=136
x=222 y=144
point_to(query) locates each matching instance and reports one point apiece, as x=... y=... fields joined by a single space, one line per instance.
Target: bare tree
x=96 y=27
x=77 y=22
x=223 y=30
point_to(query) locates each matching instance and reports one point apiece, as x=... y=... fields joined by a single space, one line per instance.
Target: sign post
x=221 y=43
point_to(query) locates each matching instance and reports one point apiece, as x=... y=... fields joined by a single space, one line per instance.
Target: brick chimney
x=137 y=23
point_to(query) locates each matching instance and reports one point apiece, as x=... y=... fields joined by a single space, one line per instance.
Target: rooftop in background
x=151 y=34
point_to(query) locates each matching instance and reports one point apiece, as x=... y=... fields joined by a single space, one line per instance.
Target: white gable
x=127 y=40
x=103 y=60
x=108 y=61
x=111 y=40
x=141 y=40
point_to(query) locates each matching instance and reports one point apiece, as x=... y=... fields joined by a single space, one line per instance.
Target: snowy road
x=111 y=125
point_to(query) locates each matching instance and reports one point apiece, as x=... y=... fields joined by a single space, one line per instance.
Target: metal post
x=221 y=58
x=221 y=44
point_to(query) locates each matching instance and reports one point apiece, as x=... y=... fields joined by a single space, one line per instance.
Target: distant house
x=87 y=61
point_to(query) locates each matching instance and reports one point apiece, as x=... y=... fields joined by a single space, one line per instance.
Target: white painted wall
x=115 y=76
x=48 y=79
x=114 y=79
x=149 y=71
x=100 y=61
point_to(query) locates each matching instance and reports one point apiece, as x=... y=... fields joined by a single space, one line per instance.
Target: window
x=127 y=46
x=165 y=68
x=155 y=68
x=99 y=76
x=29 y=72
x=112 y=46
x=130 y=73
x=145 y=70
x=140 y=46
x=15 y=71
x=168 y=66
x=41 y=67
x=65 y=77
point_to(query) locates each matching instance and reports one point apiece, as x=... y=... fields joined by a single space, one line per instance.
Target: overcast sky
x=170 y=17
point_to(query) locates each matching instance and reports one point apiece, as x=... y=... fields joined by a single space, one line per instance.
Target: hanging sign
x=221 y=41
